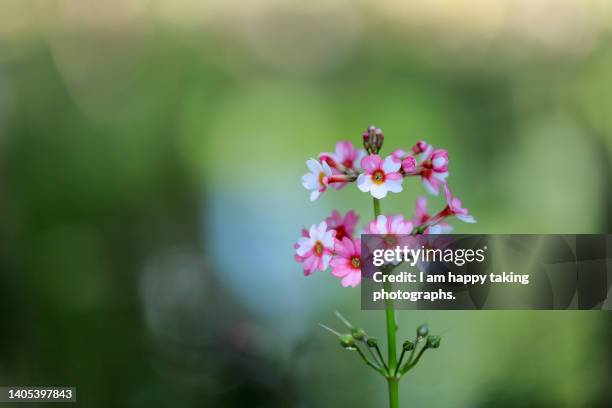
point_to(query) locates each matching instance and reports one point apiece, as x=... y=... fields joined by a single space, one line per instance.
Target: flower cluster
x=331 y=243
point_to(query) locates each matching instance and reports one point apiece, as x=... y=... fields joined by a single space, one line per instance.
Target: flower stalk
x=392 y=380
x=334 y=243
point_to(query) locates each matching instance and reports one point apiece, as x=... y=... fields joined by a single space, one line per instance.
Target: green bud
x=372 y=342
x=433 y=341
x=408 y=345
x=358 y=333
x=347 y=341
x=422 y=330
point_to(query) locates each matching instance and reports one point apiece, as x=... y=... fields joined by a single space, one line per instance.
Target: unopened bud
x=358 y=333
x=347 y=341
x=433 y=341
x=422 y=330
x=373 y=139
x=408 y=345
x=420 y=147
x=408 y=164
x=372 y=342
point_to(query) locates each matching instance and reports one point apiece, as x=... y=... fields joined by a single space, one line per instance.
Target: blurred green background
x=150 y=162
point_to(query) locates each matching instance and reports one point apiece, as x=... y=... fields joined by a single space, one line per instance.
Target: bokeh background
x=150 y=161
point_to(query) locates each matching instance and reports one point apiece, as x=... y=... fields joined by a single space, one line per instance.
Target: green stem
x=381 y=357
x=376 y=207
x=393 y=392
x=392 y=380
x=367 y=361
x=411 y=364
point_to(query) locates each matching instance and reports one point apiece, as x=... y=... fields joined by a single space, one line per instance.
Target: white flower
x=380 y=176
x=315 y=250
x=315 y=179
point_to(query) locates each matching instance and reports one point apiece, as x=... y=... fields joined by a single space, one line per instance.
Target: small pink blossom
x=380 y=176
x=346 y=263
x=422 y=150
x=454 y=207
x=347 y=157
x=439 y=160
x=389 y=224
x=344 y=226
x=314 y=249
x=345 y=161
x=394 y=231
x=434 y=171
x=421 y=216
x=315 y=179
x=409 y=164
x=408 y=161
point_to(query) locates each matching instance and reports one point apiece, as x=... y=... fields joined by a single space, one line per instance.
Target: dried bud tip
x=372 y=342
x=408 y=345
x=373 y=139
x=422 y=330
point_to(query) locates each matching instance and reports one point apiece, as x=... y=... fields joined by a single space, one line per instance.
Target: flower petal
x=467 y=218
x=391 y=165
x=364 y=182
x=378 y=191
x=314 y=166
x=371 y=163
x=394 y=186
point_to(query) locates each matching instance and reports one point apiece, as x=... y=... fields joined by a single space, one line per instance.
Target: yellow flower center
x=318 y=248
x=378 y=177
x=321 y=177
x=390 y=239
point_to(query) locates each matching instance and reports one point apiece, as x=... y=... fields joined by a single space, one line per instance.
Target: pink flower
x=344 y=227
x=421 y=150
x=380 y=177
x=346 y=264
x=439 y=160
x=346 y=158
x=408 y=162
x=394 y=231
x=315 y=179
x=345 y=164
x=421 y=216
x=434 y=171
x=389 y=224
x=454 y=207
x=314 y=249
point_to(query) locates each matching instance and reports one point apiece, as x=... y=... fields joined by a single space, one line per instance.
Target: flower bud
x=408 y=164
x=327 y=158
x=372 y=342
x=347 y=341
x=373 y=139
x=422 y=331
x=420 y=147
x=367 y=145
x=433 y=341
x=358 y=333
x=439 y=161
x=408 y=345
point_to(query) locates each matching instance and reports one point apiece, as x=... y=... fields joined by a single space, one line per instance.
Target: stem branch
x=367 y=361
